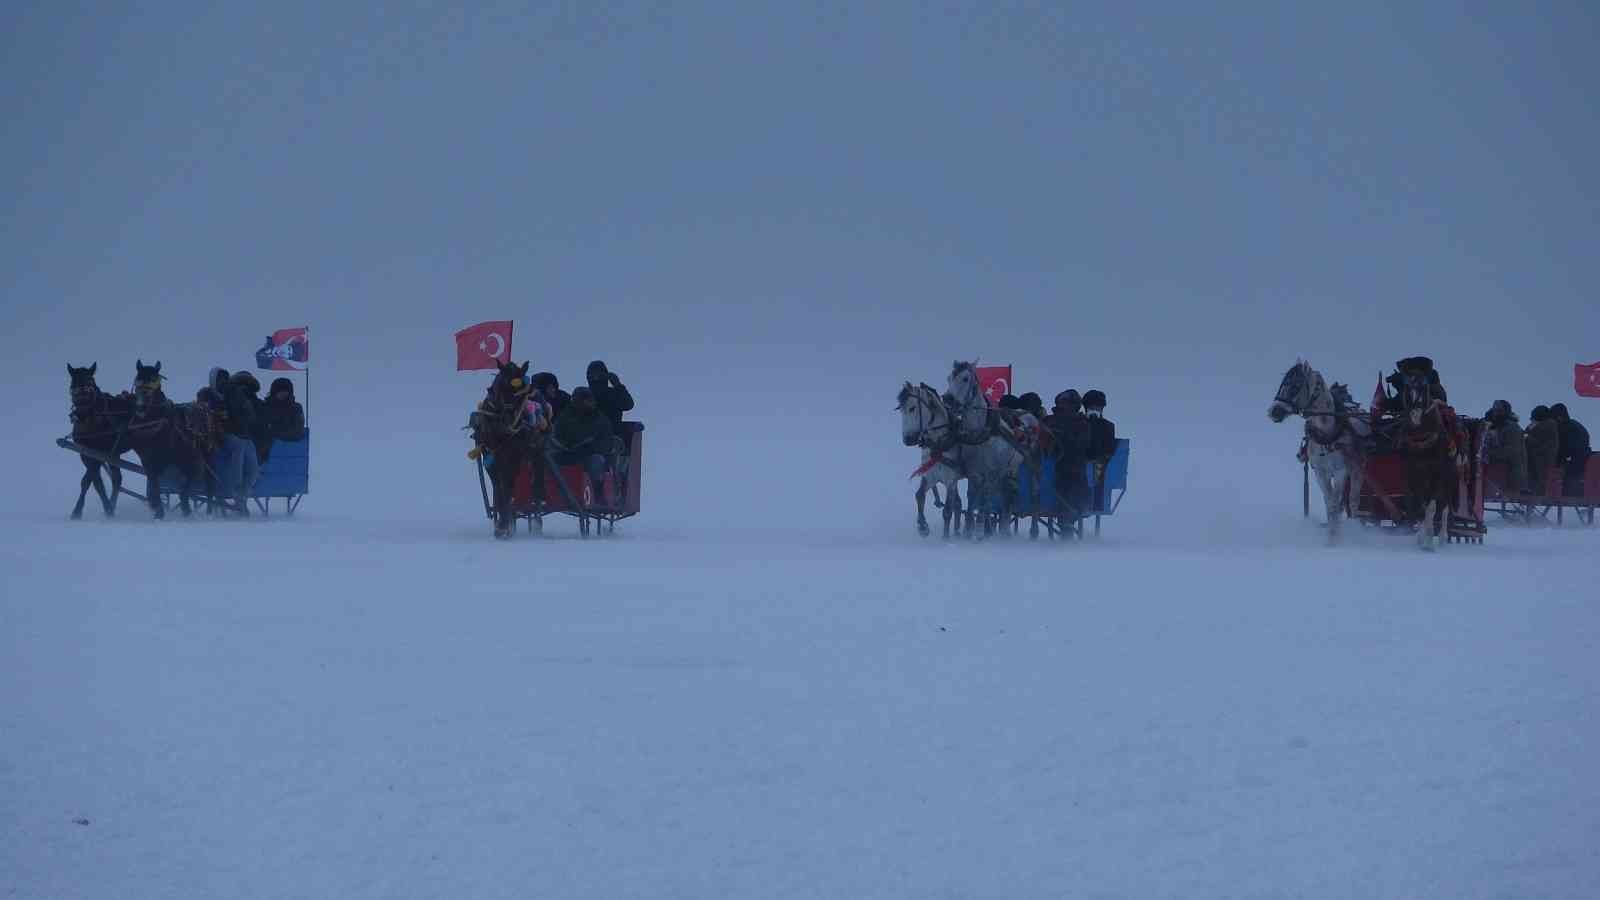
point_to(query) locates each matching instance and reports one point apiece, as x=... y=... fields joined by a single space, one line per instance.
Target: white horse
x=1337 y=430
x=993 y=453
x=926 y=423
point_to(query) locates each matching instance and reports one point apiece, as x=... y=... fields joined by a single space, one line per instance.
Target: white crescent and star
x=499 y=345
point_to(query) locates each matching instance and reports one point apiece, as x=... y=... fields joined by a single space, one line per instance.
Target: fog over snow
x=765 y=220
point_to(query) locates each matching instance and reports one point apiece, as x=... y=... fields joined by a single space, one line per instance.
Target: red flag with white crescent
x=485 y=345
x=994 y=382
x=1586 y=379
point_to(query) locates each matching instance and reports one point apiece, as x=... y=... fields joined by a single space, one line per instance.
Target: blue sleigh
x=1036 y=495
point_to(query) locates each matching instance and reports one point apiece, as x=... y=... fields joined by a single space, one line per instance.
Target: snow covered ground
x=338 y=707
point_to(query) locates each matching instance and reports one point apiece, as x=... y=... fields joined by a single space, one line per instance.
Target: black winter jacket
x=613 y=400
x=579 y=432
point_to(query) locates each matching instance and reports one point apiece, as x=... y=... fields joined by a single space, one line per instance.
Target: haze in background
x=765 y=219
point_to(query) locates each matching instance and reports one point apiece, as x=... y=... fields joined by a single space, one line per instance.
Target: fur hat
x=282 y=384
x=1069 y=399
x=1540 y=413
x=247 y=380
x=1095 y=399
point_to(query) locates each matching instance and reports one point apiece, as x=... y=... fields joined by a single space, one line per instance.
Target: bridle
x=929 y=407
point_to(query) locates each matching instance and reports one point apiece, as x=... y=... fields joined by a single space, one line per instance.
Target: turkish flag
x=483 y=346
x=285 y=350
x=1587 y=379
x=994 y=382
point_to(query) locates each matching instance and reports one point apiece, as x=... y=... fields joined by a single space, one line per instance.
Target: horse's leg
x=922 y=498
x=502 y=498
x=1425 y=531
x=91 y=468
x=107 y=502
x=190 y=474
x=153 y=485
x=116 y=489
x=1332 y=478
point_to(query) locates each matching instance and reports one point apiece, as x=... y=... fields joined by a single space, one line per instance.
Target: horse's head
x=1294 y=392
x=83 y=390
x=963 y=383
x=1416 y=397
x=511 y=383
x=147 y=381
x=921 y=414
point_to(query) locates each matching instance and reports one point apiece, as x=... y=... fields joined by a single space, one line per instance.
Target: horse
x=993 y=452
x=925 y=423
x=99 y=422
x=165 y=434
x=1336 y=433
x=501 y=427
x=1432 y=478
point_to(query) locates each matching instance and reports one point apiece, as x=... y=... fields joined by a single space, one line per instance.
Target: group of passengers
x=1553 y=449
x=249 y=426
x=584 y=427
x=1076 y=434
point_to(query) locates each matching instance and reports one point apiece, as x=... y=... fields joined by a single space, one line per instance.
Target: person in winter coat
x=549 y=387
x=612 y=397
x=285 y=417
x=1543 y=448
x=1102 y=441
x=241 y=426
x=1506 y=444
x=1102 y=431
x=583 y=437
x=1573 y=451
x=1070 y=437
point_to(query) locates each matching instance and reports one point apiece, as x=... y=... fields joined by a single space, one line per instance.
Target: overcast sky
x=730 y=195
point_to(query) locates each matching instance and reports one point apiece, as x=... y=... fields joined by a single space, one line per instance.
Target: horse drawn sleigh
x=1010 y=460
x=176 y=445
x=524 y=474
x=1410 y=463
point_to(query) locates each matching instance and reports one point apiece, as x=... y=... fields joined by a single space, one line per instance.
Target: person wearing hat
x=1507 y=444
x=1573 y=450
x=583 y=437
x=1102 y=431
x=1102 y=440
x=284 y=419
x=1543 y=444
x=1031 y=402
x=1070 y=436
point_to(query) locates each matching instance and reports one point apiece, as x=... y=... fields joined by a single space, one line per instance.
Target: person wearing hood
x=283 y=418
x=610 y=394
x=1507 y=444
x=1543 y=442
x=241 y=425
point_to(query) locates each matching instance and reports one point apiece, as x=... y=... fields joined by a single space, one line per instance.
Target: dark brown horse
x=179 y=436
x=99 y=422
x=1429 y=446
x=504 y=431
